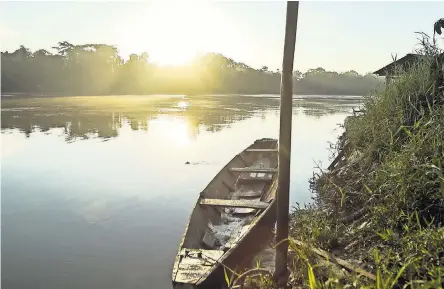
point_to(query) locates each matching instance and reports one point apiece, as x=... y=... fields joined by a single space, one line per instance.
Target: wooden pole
x=283 y=196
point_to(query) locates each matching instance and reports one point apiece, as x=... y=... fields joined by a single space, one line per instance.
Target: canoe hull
x=237 y=253
x=241 y=257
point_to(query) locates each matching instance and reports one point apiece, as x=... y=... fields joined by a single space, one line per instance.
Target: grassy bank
x=376 y=220
x=382 y=206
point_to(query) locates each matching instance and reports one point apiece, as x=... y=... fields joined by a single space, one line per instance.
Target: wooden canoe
x=230 y=218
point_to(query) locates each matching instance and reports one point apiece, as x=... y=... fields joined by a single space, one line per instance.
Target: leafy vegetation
x=93 y=69
x=382 y=206
x=378 y=213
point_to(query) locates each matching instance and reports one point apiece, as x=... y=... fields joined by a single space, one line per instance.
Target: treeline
x=97 y=69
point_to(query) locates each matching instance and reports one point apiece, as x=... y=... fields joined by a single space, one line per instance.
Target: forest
x=98 y=69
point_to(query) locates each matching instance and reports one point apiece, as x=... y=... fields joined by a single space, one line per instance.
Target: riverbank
x=376 y=220
x=380 y=207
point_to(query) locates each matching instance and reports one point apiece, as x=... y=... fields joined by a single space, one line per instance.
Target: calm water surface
x=96 y=192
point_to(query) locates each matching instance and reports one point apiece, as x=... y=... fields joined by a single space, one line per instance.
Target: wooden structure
x=235 y=206
x=286 y=110
x=390 y=71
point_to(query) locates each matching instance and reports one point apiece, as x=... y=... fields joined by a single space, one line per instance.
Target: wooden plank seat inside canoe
x=259 y=171
x=262 y=150
x=239 y=194
x=252 y=191
x=252 y=204
x=256 y=177
x=254 y=170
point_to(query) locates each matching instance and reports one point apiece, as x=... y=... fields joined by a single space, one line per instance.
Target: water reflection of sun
x=175 y=129
x=183 y=104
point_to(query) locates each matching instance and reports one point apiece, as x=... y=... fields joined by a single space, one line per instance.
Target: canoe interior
x=226 y=210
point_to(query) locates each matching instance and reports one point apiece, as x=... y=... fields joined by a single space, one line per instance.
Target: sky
x=340 y=36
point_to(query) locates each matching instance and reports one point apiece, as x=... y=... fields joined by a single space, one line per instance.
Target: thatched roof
x=404 y=62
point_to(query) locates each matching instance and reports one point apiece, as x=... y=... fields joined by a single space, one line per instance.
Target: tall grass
x=382 y=207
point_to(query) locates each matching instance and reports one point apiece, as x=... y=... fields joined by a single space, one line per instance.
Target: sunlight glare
x=175 y=129
x=174 y=33
x=183 y=105
x=179 y=29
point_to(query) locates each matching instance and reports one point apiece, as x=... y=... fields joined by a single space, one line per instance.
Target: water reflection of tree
x=321 y=108
x=104 y=117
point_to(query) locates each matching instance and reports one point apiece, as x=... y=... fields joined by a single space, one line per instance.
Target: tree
x=297 y=75
x=98 y=69
x=22 y=53
x=351 y=73
x=41 y=53
x=314 y=71
x=438 y=26
x=64 y=48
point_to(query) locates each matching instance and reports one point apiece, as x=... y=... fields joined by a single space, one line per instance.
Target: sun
x=179 y=32
x=183 y=105
x=172 y=33
x=173 y=56
x=175 y=32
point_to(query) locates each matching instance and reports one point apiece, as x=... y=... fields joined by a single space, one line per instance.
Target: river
x=96 y=191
